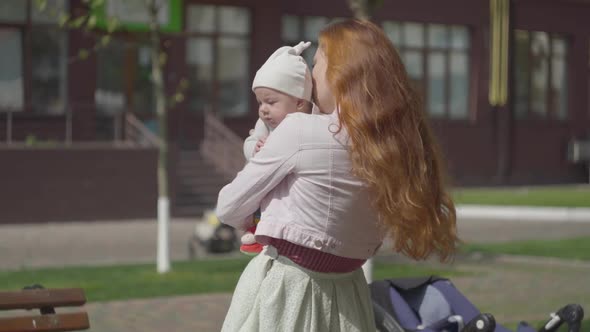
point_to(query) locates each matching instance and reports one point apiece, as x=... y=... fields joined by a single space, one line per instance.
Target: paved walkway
x=59 y=244
x=512 y=290
x=109 y=242
x=202 y=313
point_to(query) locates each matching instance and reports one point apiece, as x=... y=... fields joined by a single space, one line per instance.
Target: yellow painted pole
x=505 y=39
x=499 y=29
x=493 y=53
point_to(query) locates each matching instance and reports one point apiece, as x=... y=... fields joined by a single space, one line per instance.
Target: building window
x=46 y=74
x=143 y=96
x=48 y=69
x=540 y=75
x=437 y=59
x=13 y=11
x=11 y=75
x=304 y=28
x=111 y=78
x=49 y=56
x=218 y=57
x=123 y=79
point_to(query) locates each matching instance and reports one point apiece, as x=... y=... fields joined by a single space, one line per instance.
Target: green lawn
x=383 y=270
x=574 y=248
x=567 y=196
x=133 y=281
x=141 y=281
x=563 y=328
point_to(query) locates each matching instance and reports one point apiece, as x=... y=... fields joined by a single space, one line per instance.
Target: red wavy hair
x=392 y=146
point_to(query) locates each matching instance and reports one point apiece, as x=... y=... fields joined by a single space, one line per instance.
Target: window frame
x=215 y=36
x=26 y=29
x=301 y=19
x=425 y=51
x=25 y=32
x=23 y=101
x=551 y=114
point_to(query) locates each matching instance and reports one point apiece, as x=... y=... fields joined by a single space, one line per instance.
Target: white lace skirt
x=275 y=294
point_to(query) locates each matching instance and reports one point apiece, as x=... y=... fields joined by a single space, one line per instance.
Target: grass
x=571 y=196
x=133 y=281
x=123 y=282
x=384 y=270
x=573 y=248
x=563 y=328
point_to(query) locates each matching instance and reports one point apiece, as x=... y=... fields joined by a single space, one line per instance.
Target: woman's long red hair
x=392 y=146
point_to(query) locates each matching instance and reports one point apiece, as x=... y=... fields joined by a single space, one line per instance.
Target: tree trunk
x=359 y=8
x=163 y=263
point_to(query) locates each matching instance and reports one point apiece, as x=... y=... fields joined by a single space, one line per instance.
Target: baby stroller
x=212 y=237
x=433 y=304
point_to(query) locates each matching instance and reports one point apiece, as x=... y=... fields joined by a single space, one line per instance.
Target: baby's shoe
x=249 y=245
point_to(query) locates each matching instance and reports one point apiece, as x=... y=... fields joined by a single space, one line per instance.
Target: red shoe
x=251 y=249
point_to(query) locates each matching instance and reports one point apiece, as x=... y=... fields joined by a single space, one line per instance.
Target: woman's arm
x=260 y=131
x=238 y=200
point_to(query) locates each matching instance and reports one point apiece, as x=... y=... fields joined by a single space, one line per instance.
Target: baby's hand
x=259 y=145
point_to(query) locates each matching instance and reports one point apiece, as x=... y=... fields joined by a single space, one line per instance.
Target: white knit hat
x=286 y=71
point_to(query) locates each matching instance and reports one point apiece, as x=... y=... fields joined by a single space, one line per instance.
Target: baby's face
x=273 y=106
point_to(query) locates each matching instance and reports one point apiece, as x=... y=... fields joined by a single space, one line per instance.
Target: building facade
x=50 y=93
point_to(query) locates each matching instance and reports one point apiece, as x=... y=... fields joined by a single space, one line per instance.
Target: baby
x=282 y=85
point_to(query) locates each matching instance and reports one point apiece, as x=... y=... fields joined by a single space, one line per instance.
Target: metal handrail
x=138 y=133
x=127 y=129
x=221 y=146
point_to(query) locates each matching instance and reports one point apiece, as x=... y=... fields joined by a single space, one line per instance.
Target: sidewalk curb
x=524 y=213
x=543 y=261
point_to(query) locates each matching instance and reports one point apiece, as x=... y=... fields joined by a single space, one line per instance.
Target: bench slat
x=37 y=298
x=45 y=323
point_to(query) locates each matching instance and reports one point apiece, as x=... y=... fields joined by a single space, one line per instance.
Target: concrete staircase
x=198 y=184
x=202 y=173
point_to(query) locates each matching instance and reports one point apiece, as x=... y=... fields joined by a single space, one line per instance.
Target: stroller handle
x=572 y=314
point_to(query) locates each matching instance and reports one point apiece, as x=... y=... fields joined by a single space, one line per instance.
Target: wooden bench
x=44 y=300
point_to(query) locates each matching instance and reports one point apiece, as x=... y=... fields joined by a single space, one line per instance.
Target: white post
x=9 y=126
x=68 y=125
x=163 y=227
x=368 y=270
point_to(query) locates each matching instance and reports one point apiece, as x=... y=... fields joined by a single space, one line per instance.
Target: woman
x=333 y=186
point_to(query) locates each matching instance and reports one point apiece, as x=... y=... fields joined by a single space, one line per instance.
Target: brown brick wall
x=44 y=185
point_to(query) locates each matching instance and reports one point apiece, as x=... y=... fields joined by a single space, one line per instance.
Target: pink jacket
x=301 y=179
